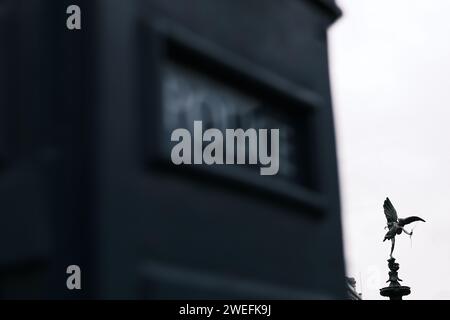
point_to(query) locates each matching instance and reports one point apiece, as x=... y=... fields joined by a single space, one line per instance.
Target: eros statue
x=395 y=224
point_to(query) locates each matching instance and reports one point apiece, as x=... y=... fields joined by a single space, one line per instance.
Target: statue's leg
x=392 y=247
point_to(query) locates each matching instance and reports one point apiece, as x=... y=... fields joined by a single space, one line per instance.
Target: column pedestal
x=394 y=291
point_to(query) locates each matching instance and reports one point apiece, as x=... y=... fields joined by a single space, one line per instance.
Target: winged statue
x=396 y=224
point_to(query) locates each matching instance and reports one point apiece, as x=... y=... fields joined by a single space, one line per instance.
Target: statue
x=395 y=291
x=394 y=224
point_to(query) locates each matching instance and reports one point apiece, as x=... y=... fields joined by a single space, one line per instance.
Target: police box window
x=199 y=83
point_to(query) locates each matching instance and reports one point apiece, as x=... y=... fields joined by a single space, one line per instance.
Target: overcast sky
x=390 y=72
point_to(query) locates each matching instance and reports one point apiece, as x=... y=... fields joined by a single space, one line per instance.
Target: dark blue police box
x=85 y=171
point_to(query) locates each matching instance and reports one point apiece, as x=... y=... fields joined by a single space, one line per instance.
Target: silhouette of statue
x=394 y=224
x=395 y=291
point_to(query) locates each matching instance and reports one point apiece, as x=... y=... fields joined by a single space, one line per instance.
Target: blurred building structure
x=85 y=172
x=352 y=294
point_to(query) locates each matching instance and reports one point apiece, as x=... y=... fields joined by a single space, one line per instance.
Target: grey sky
x=390 y=71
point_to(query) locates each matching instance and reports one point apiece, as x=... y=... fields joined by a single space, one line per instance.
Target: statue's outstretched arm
x=408 y=233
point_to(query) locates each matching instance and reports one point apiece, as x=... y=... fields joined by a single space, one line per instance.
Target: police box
x=86 y=176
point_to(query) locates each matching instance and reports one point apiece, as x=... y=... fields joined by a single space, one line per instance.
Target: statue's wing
x=408 y=220
x=389 y=211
